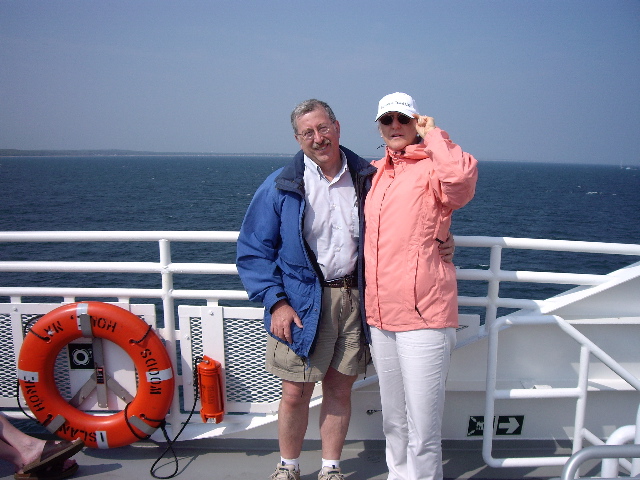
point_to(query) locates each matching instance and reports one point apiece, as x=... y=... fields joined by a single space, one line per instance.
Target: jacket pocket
x=434 y=280
x=300 y=293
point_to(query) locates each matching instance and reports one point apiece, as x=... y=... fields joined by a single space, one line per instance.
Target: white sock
x=291 y=461
x=330 y=463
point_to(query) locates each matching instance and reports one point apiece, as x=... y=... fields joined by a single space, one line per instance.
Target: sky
x=534 y=80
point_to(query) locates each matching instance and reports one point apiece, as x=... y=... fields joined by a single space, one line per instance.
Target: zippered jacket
x=272 y=259
x=407 y=214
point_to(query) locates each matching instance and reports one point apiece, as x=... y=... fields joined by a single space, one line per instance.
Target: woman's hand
x=447 y=248
x=424 y=124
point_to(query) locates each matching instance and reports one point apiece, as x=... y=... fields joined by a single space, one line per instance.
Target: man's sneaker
x=285 y=472
x=330 y=473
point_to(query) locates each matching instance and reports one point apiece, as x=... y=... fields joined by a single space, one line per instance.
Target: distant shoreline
x=126 y=153
x=14 y=153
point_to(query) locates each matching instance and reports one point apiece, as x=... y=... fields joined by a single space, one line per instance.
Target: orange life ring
x=140 y=418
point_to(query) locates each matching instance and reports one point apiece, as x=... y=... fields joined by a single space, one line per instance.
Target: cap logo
x=398 y=103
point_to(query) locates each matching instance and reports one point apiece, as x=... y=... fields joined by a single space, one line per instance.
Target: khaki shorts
x=340 y=342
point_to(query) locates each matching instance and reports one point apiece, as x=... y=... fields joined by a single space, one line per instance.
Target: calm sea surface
x=534 y=200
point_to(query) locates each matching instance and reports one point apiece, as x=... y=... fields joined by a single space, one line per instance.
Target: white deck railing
x=494 y=275
x=167 y=270
x=579 y=391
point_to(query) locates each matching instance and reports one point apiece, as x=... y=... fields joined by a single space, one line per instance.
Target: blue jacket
x=272 y=259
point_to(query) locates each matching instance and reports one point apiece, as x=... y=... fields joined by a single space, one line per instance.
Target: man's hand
x=281 y=317
x=447 y=248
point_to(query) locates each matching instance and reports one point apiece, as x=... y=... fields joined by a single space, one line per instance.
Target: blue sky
x=531 y=80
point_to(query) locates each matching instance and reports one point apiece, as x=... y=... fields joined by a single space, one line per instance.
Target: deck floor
x=227 y=459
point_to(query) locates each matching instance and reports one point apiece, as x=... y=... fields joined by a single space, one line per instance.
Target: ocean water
x=534 y=200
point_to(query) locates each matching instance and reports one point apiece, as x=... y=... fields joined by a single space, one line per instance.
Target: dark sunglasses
x=388 y=119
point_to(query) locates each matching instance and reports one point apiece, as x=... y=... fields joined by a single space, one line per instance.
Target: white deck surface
x=227 y=459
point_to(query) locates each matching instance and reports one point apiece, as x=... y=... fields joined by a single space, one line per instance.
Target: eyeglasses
x=310 y=133
x=388 y=119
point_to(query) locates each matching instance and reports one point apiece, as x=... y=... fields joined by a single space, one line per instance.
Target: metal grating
x=61 y=368
x=197 y=350
x=8 y=380
x=61 y=374
x=246 y=379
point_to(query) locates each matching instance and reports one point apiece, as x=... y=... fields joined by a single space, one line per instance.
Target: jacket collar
x=416 y=151
x=292 y=175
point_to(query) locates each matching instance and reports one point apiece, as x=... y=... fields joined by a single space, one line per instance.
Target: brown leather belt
x=348 y=281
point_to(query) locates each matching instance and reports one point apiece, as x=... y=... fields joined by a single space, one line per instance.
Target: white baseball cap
x=397 y=102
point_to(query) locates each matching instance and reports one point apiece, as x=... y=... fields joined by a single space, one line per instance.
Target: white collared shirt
x=331 y=225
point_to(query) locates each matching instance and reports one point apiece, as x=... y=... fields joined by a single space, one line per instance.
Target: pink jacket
x=408 y=209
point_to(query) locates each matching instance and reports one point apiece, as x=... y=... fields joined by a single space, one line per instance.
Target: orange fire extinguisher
x=210 y=386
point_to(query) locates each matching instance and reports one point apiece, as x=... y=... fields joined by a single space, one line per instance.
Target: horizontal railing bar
x=80 y=292
x=94 y=267
x=202 y=294
x=531 y=277
x=232 y=236
x=121 y=293
x=598 y=452
x=544 y=244
x=527 y=462
x=230 y=269
x=523 y=303
x=204 y=268
x=212 y=294
x=118 y=267
x=537 y=393
x=119 y=236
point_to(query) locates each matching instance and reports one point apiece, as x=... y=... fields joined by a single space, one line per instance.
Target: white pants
x=412 y=369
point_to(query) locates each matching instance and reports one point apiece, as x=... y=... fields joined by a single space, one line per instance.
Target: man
x=297 y=254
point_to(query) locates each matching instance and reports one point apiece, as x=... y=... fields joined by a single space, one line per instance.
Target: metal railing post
x=493 y=288
x=169 y=329
x=581 y=402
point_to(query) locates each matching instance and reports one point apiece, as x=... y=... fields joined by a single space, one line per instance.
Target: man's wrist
x=279 y=303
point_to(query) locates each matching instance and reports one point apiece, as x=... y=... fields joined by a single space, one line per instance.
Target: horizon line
x=114 y=152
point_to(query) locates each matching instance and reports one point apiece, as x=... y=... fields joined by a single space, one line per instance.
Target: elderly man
x=298 y=254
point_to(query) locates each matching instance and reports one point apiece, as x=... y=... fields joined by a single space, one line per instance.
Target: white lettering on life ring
x=27 y=376
x=159 y=375
x=102 y=439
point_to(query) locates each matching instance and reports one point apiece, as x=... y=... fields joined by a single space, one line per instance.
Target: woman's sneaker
x=330 y=473
x=285 y=472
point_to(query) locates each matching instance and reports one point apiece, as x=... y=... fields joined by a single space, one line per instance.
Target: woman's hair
x=309 y=106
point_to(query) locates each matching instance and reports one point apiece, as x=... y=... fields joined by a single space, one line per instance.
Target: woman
x=411 y=294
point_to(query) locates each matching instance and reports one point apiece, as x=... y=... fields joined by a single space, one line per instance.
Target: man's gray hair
x=309 y=106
